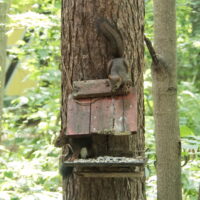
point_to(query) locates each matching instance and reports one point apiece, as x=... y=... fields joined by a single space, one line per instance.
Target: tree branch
x=151 y=51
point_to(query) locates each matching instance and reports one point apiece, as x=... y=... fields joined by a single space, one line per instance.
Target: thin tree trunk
x=195 y=17
x=3 y=12
x=199 y=193
x=168 y=148
x=85 y=57
x=195 y=21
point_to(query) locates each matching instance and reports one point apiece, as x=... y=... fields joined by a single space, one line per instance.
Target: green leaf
x=185 y=131
x=8 y=174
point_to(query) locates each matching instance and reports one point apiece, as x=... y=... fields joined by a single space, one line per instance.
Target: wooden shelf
x=106 y=161
x=108 y=167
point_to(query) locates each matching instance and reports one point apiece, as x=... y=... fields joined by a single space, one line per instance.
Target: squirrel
x=76 y=148
x=117 y=68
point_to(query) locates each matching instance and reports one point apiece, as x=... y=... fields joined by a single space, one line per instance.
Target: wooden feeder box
x=108 y=167
x=94 y=109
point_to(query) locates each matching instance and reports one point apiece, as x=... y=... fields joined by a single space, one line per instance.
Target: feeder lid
x=114 y=115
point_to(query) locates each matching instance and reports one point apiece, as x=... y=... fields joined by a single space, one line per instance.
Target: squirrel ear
x=109 y=66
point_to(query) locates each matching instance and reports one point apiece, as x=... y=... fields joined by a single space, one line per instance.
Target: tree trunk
x=3 y=12
x=168 y=146
x=85 y=57
x=199 y=193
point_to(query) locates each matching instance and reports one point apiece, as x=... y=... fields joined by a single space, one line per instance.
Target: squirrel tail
x=113 y=35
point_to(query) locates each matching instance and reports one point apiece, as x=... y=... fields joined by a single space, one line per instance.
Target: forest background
x=28 y=159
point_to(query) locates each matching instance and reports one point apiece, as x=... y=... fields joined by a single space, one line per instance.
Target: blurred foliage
x=28 y=159
x=188 y=71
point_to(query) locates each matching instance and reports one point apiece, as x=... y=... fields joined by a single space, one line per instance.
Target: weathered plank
x=94 y=88
x=110 y=174
x=115 y=115
x=102 y=116
x=78 y=122
x=118 y=117
x=130 y=111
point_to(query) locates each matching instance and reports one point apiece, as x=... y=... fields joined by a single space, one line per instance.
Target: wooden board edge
x=110 y=174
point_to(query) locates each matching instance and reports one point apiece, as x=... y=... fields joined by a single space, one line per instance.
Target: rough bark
x=3 y=12
x=84 y=57
x=168 y=148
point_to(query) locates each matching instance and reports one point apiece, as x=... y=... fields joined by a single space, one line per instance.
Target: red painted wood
x=105 y=115
x=78 y=122
x=118 y=116
x=130 y=111
x=102 y=116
